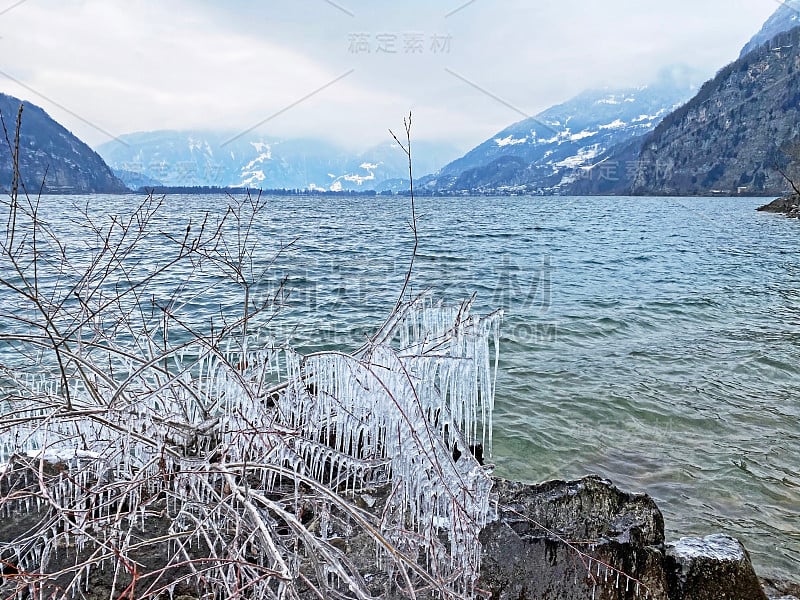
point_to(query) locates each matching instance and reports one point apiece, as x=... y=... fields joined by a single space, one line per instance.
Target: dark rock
x=716 y=567
x=786 y=205
x=23 y=523
x=573 y=540
x=587 y=539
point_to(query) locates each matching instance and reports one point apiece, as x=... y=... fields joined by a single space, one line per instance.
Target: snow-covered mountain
x=213 y=158
x=544 y=153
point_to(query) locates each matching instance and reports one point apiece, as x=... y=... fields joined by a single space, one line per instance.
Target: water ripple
x=654 y=341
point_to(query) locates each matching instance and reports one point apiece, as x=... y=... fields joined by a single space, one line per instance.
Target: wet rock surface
x=716 y=566
x=587 y=539
x=573 y=540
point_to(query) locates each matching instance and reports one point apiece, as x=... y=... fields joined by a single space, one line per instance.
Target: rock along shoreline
x=788 y=205
x=583 y=539
x=560 y=540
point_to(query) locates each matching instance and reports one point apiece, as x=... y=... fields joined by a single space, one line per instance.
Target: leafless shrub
x=145 y=457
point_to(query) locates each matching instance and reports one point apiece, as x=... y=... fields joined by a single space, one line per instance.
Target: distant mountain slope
x=786 y=17
x=543 y=154
x=214 y=158
x=136 y=181
x=51 y=154
x=732 y=135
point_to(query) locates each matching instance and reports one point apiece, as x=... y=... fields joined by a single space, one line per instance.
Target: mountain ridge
x=731 y=138
x=545 y=153
x=785 y=18
x=51 y=158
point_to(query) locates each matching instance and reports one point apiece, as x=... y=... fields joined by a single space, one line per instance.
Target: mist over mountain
x=51 y=159
x=733 y=135
x=225 y=159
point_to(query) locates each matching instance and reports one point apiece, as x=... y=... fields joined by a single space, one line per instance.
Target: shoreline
x=561 y=540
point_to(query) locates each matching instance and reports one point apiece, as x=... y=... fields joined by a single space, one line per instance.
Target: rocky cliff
x=742 y=126
x=733 y=137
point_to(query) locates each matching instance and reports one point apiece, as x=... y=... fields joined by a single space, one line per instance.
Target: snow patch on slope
x=359 y=179
x=262 y=148
x=582 y=135
x=582 y=157
x=643 y=118
x=356 y=178
x=616 y=124
x=251 y=175
x=199 y=145
x=510 y=141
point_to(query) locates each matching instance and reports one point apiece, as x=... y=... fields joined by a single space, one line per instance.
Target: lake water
x=654 y=341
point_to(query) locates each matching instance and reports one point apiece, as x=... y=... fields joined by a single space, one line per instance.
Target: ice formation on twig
x=256 y=456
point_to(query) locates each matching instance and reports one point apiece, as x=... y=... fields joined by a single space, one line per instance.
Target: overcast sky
x=346 y=70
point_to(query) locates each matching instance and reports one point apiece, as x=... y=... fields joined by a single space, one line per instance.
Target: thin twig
x=407 y=150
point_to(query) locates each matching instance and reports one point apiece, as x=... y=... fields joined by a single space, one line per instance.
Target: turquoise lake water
x=654 y=341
